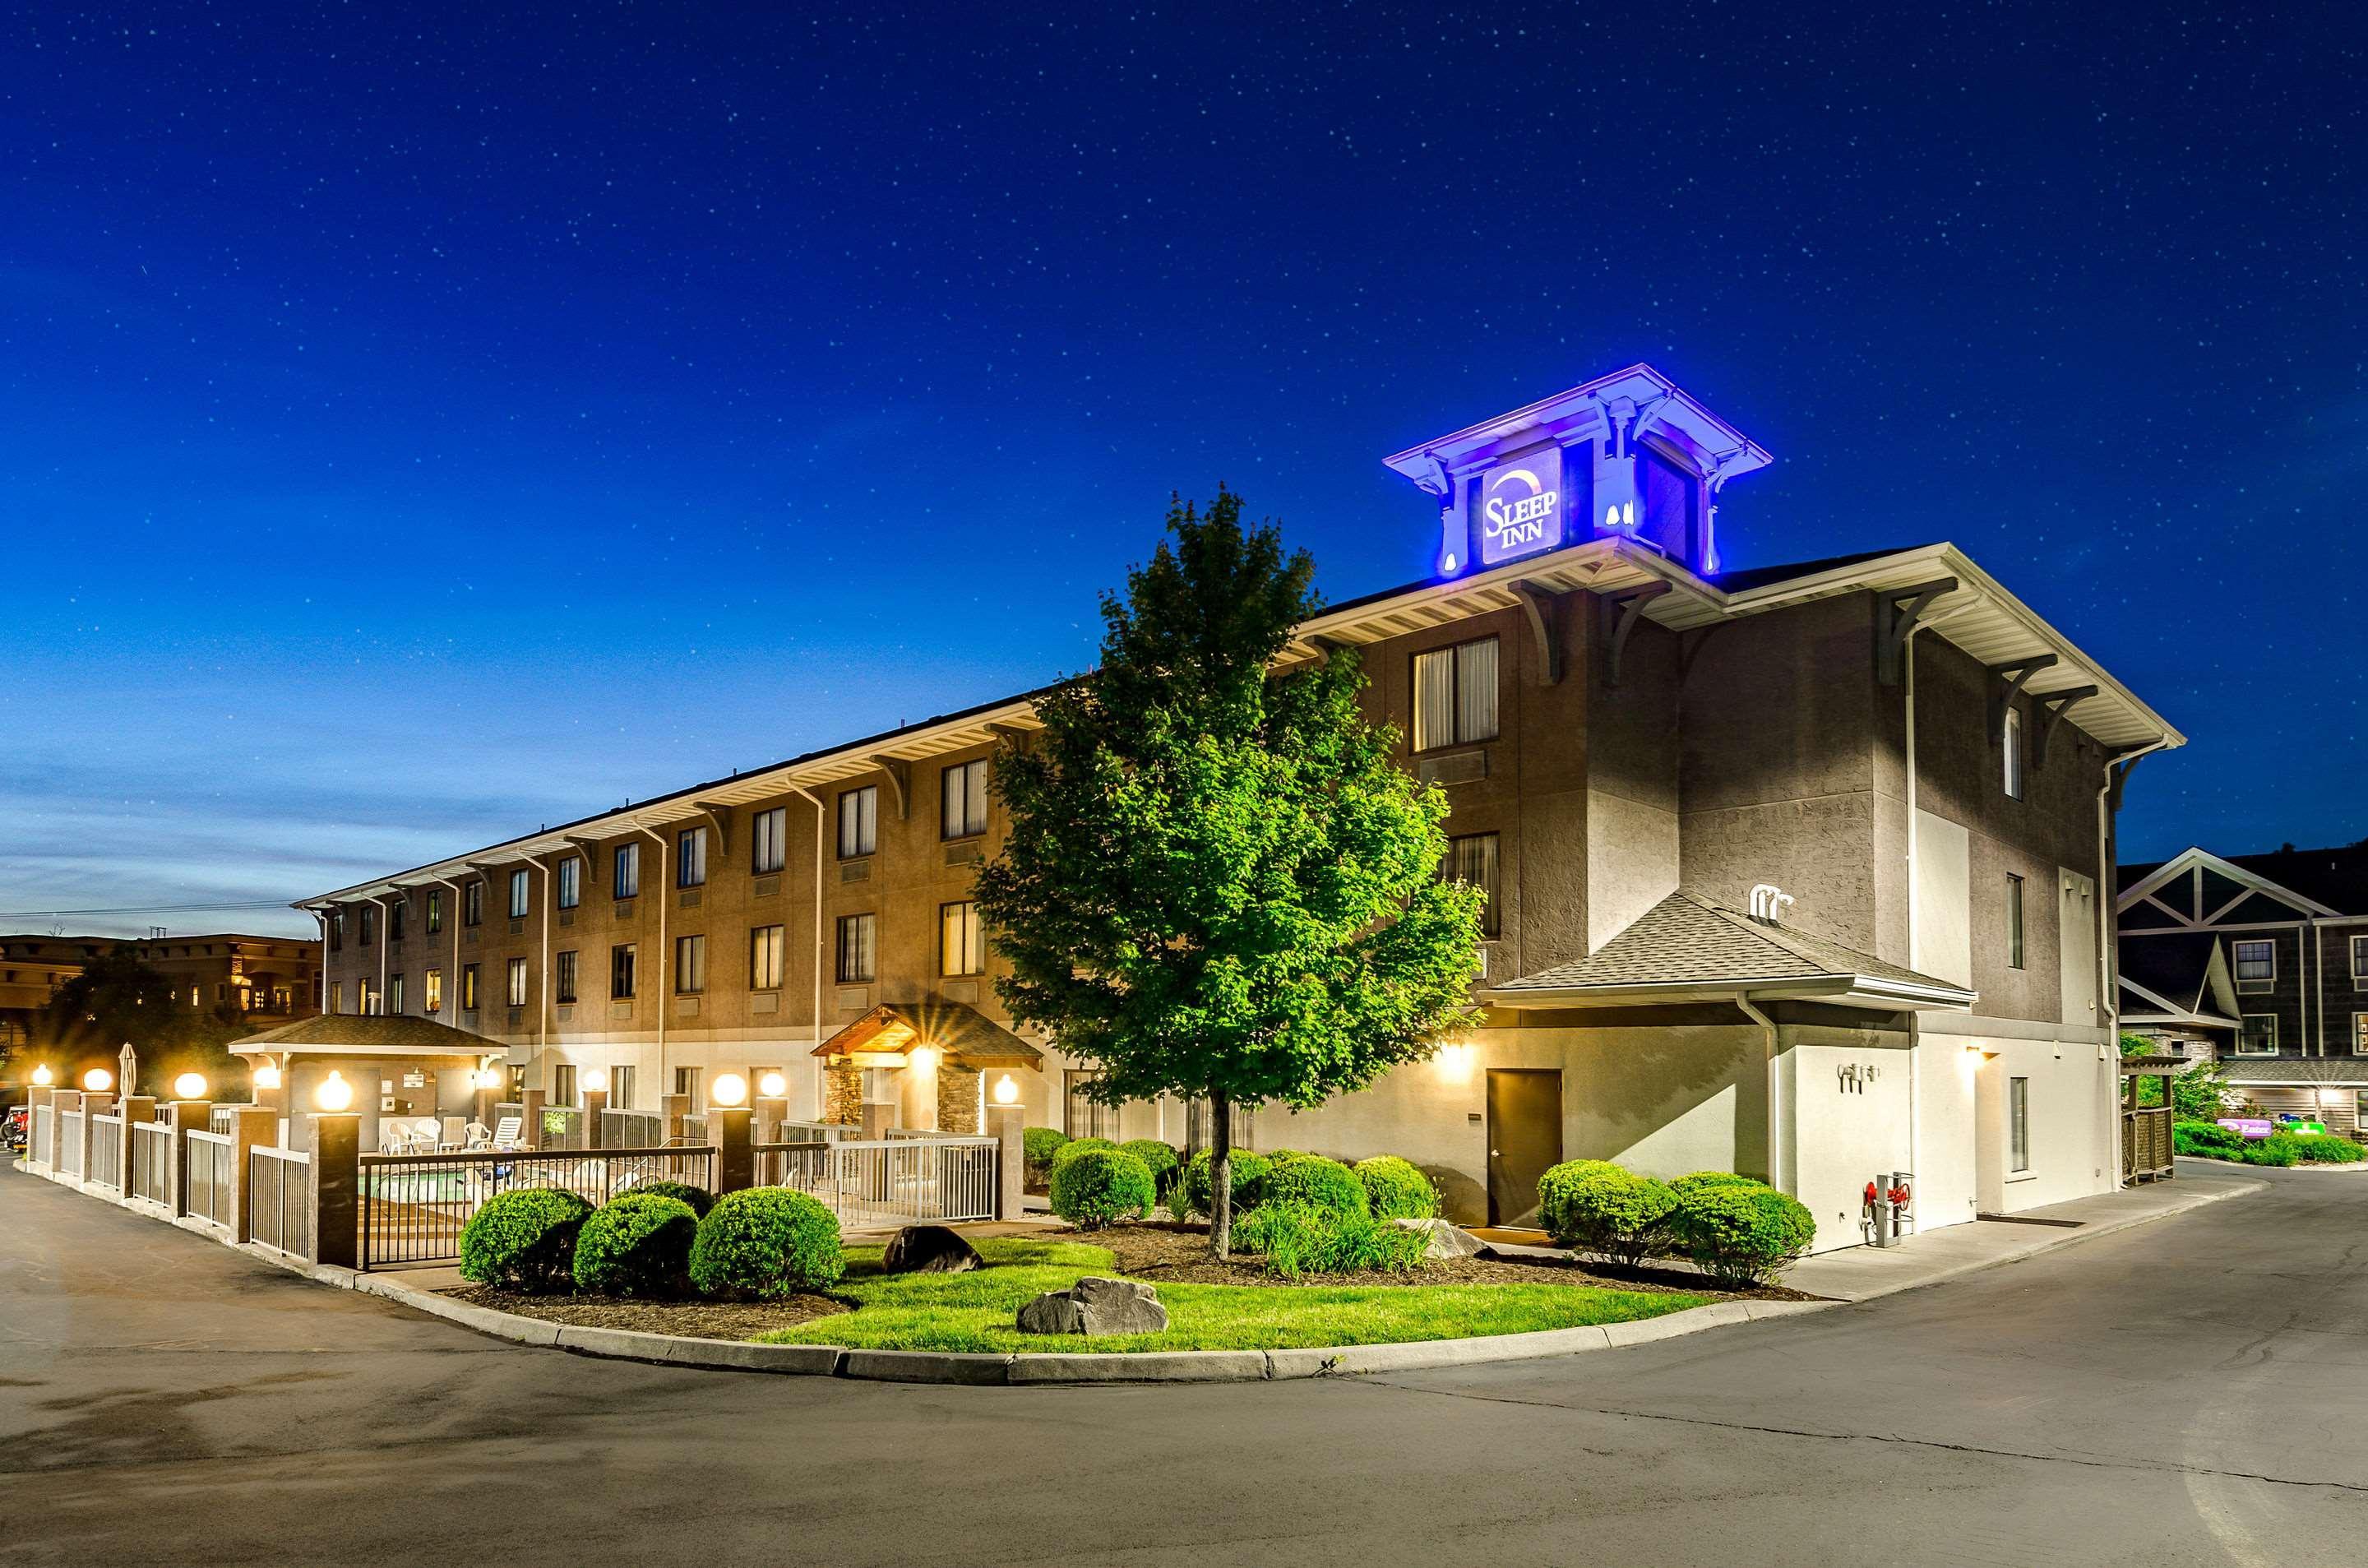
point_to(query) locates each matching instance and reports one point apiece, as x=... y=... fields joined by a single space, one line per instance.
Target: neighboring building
x=2260 y=960
x=1793 y=870
x=273 y=976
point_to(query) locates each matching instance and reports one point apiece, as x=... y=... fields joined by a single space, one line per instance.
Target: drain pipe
x=665 y=955
x=821 y=813
x=2109 y=1000
x=542 y=985
x=452 y=923
x=1775 y=1100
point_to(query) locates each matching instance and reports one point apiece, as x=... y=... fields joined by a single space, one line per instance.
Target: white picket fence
x=879 y=1184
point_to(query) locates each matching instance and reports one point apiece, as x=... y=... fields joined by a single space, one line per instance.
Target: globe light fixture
x=729 y=1090
x=99 y=1080
x=595 y=1079
x=1006 y=1091
x=772 y=1086
x=924 y=1057
x=43 y=1076
x=333 y=1094
x=190 y=1086
x=266 y=1076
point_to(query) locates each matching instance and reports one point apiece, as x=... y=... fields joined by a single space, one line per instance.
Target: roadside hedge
x=762 y=1243
x=637 y=1243
x=1396 y=1188
x=1317 y=1183
x=1594 y=1206
x=523 y=1239
x=1099 y=1186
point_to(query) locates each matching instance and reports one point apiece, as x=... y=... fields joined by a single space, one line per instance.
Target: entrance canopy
x=964 y=1038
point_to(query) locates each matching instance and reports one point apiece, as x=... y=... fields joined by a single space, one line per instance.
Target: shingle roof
x=2273 y=1070
x=1761 y=577
x=1687 y=939
x=372 y=1032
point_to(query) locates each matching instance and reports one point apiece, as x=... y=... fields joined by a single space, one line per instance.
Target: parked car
x=15 y=1129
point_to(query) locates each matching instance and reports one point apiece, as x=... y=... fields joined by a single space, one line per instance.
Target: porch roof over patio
x=352 y=1034
x=966 y=1037
x=2273 y=1072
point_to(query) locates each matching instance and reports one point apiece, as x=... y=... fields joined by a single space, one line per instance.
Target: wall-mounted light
x=924 y=1057
x=1006 y=1091
x=190 y=1086
x=266 y=1076
x=595 y=1079
x=1455 y=1060
x=729 y=1090
x=99 y=1080
x=333 y=1094
x=772 y=1086
x=43 y=1076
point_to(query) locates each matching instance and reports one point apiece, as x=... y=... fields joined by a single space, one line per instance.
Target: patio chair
x=509 y=1132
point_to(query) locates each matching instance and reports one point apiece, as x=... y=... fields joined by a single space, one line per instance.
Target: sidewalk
x=1859 y=1274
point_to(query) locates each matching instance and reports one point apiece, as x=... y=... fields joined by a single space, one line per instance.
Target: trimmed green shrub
x=1397 y=1189
x=1740 y=1233
x=1594 y=1206
x=1316 y=1182
x=523 y=1239
x=1295 y=1239
x=762 y=1243
x=2206 y=1138
x=1160 y=1159
x=1076 y=1146
x=1249 y=1181
x=2328 y=1148
x=699 y=1198
x=1038 y=1145
x=1100 y=1186
x=637 y=1243
x=2278 y=1149
x=1695 y=1180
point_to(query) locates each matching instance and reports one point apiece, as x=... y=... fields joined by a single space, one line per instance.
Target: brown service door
x=1524 y=1139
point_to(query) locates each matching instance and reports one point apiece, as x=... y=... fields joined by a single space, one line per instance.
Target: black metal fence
x=414 y=1207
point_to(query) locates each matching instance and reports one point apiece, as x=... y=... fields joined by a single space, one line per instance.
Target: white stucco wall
x=1943 y=930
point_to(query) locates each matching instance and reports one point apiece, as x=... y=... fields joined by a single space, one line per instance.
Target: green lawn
x=974 y=1312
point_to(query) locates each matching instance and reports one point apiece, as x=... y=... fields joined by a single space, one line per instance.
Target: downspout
x=2109 y=999
x=321 y=1001
x=821 y=813
x=453 y=919
x=384 y=932
x=542 y=984
x=665 y=956
x=1775 y=1100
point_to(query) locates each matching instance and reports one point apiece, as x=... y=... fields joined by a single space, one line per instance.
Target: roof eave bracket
x=2006 y=684
x=1895 y=615
x=1544 y=613
x=2055 y=703
x=1631 y=606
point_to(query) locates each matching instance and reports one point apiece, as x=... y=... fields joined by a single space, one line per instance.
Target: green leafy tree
x=117 y=998
x=1218 y=882
x=2201 y=1093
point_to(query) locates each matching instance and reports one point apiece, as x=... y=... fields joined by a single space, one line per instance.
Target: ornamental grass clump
x=1292 y=1239
x=1742 y=1232
x=1249 y=1185
x=1595 y=1207
x=764 y=1244
x=523 y=1239
x=637 y=1243
x=1317 y=1183
x=1101 y=1186
x=1397 y=1189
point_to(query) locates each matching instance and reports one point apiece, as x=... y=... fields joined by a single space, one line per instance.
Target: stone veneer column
x=843 y=1093
x=957 y=1100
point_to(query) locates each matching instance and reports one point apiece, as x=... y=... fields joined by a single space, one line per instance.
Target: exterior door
x=1524 y=1139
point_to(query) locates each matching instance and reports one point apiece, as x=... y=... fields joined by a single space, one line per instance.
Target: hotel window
x=858 y=822
x=571 y=882
x=2258 y=1037
x=432 y=991
x=370 y=924
x=2013 y=921
x=2013 y=778
x=2256 y=964
x=2360 y=963
x=395 y=994
x=518 y=899
x=563 y=1083
x=2018 y=1115
x=963 y=798
x=366 y=1000
x=1473 y=858
x=621 y=970
x=690 y=857
x=472 y=904
x=685 y=1083
x=2360 y=1034
x=337 y=929
x=766 y=948
x=962 y=949
x=517 y=982
x=435 y=911
x=691 y=964
x=855 y=950
x=770 y=829
x=627 y=879
x=469 y=987
x=1081 y=1115
x=620 y=1088
x=337 y=996
x=1455 y=695
x=563 y=980
x=395 y=913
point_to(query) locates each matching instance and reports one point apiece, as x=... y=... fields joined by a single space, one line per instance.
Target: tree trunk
x=1221 y=1176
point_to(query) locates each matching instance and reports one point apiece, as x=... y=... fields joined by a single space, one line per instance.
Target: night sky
x=415 y=427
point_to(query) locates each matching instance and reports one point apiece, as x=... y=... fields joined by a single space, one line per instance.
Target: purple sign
x=1522 y=505
x=2252 y=1126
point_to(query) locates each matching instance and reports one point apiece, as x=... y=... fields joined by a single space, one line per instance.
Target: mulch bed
x=1164 y=1253
x=696 y=1320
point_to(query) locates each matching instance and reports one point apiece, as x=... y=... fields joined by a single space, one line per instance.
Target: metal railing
x=221 y=1118
x=44 y=1117
x=70 y=1143
x=879 y=1184
x=816 y=1132
x=279 y=1200
x=212 y=1181
x=106 y=1151
x=694 y=1129
x=414 y=1207
x=631 y=1129
x=562 y=1127
x=152 y=1162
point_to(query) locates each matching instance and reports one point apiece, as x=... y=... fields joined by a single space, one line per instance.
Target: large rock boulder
x=1445 y=1240
x=1095 y=1306
x=928 y=1249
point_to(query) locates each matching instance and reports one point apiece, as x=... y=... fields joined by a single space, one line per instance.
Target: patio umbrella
x=127 y=1060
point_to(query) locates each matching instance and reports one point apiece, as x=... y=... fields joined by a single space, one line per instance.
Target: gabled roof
x=1686 y=946
x=967 y=1037
x=2155 y=893
x=368 y=1034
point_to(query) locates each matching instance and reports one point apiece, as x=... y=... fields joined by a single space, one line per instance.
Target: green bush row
x=1293 y=1239
x=658 y=1240
x=1738 y=1230
x=2210 y=1140
x=1384 y=1186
